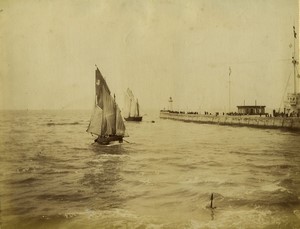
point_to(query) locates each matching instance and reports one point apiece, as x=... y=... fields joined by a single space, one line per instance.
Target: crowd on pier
x=275 y=114
x=209 y=113
x=284 y=114
x=179 y=112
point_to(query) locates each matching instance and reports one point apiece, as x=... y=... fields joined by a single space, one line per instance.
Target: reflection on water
x=54 y=176
x=104 y=176
x=212 y=214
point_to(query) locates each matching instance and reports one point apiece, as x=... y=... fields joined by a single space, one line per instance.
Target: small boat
x=106 y=121
x=132 y=107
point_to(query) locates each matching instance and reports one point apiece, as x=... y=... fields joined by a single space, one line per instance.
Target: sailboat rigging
x=106 y=121
x=132 y=107
x=292 y=105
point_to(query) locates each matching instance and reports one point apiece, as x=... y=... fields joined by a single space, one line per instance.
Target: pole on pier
x=229 y=92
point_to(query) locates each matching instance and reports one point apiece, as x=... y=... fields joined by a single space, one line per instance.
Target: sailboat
x=106 y=121
x=132 y=107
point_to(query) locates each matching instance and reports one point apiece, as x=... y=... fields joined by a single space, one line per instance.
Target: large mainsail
x=106 y=119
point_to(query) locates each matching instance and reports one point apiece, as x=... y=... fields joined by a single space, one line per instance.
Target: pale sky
x=157 y=48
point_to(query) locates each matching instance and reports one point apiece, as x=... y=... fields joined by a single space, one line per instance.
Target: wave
x=62 y=197
x=209 y=181
x=28 y=181
x=275 y=166
x=287 y=182
x=26 y=170
x=62 y=123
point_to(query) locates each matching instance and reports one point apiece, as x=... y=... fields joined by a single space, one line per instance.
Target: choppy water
x=52 y=176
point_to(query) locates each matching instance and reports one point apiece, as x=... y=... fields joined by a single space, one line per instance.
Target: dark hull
x=134 y=119
x=107 y=139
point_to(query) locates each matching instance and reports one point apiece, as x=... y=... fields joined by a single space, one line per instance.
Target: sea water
x=162 y=176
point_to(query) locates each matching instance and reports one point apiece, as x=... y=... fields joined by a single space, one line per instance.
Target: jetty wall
x=244 y=120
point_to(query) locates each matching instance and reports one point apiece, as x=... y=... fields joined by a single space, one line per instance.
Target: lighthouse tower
x=170 y=104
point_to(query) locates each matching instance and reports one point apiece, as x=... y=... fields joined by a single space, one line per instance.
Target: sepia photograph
x=149 y=114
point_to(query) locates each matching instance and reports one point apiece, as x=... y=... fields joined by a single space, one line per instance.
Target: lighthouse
x=170 y=104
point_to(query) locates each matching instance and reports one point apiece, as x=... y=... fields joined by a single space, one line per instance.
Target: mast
x=102 y=80
x=137 y=107
x=294 y=61
x=115 y=106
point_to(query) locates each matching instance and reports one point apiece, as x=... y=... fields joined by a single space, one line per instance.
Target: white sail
x=130 y=94
x=96 y=121
x=133 y=109
x=127 y=105
x=131 y=105
x=120 y=127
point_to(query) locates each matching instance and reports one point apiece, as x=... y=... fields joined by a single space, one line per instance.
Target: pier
x=292 y=123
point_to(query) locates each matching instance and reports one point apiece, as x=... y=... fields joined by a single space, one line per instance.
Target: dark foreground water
x=52 y=176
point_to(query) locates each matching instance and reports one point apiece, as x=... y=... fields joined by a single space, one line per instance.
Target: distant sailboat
x=132 y=107
x=106 y=120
